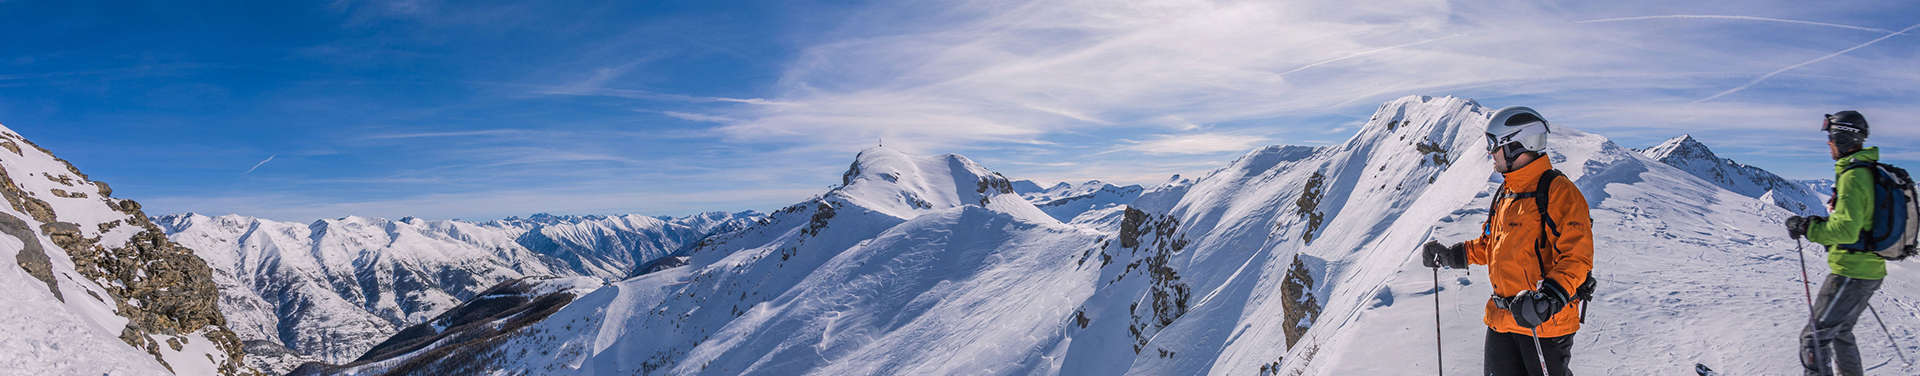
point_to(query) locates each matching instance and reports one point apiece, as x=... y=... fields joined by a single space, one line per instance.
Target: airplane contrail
x=1371 y=52
x=1749 y=18
x=1829 y=56
x=256 y=166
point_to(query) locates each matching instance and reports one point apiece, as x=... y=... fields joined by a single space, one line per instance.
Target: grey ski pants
x=1828 y=337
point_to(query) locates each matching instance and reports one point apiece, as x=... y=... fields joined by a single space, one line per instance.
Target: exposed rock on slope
x=98 y=259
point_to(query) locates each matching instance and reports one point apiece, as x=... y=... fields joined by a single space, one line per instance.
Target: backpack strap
x=1539 y=196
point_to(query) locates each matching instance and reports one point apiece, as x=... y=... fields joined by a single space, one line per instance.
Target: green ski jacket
x=1852 y=212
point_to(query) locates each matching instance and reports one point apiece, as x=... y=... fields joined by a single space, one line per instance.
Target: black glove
x=1434 y=255
x=1797 y=225
x=1532 y=308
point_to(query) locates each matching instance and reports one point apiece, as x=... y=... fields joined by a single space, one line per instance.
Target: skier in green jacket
x=1856 y=275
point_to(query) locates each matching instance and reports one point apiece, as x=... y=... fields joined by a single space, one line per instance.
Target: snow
x=1066 y=201
x=183 y=361
x=903 y=271
x=573 y=285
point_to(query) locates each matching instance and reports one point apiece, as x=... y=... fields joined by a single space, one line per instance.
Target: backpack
x=1585 y=292
x=1896 y=214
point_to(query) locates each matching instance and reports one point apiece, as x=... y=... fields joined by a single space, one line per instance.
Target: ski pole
x=1439 y=354
x=1800 y=249
x=1813 y=319
x=1896 y=343
x=1538 y=352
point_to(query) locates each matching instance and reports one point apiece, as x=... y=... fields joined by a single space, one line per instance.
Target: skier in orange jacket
x=1534 y=257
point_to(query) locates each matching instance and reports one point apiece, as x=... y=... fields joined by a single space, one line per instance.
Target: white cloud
x=698 y=117
x=981 y=75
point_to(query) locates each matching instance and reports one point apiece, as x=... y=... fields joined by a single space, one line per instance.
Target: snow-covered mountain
x=98 y=290
x=1065 y=201
x=1290 y=260
x=330 y=290
x=498 y=311
x=1695 y=158
x=1822 y=188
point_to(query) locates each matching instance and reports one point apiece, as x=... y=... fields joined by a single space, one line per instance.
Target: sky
x=479 y=110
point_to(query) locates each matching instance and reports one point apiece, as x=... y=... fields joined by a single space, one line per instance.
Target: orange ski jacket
x=1507 y=246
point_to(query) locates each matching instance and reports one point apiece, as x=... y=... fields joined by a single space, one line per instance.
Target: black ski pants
x=1511 y=354
x=1828 y=337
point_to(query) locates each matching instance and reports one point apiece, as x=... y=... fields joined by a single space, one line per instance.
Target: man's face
x=1833 y=149
x=1499 y=163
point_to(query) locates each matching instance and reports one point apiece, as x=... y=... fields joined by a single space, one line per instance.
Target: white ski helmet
x=1517 y=124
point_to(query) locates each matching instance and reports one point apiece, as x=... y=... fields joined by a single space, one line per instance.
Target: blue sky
x=482 y=110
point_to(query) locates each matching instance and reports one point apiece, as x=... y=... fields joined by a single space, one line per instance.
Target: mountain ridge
x=331 y=289
x=1688 y=154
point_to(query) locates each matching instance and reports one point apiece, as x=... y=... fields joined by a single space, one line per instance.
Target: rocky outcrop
x=163 y=290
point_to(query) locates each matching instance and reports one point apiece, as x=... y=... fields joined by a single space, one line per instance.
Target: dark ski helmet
x=1517 y=124
x=1847 y=129
x=1846 y=121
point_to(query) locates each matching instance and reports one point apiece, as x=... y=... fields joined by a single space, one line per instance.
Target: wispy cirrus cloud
x=980 y=74
x=1204 y=143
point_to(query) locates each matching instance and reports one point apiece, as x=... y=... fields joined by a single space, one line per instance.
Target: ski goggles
x=1494 y=142
x=1830 y=124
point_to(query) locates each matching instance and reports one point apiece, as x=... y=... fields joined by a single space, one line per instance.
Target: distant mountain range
x=1289 y=260
x=332 y=289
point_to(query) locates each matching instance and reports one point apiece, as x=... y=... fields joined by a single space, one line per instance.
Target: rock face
x=1695 y=158
x=330 y=290
x=100 y=257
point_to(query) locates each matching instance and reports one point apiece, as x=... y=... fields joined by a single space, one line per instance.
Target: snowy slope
x=95 y=288
x=1255 y=256
x=1688 y=272
x=1695 y=158
x=334 y=288
x=1290 y=260
x=910 y=249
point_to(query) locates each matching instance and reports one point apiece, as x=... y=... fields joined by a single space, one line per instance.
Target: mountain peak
x=902 y=185
x=1685 y=147
x=1688 y=154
